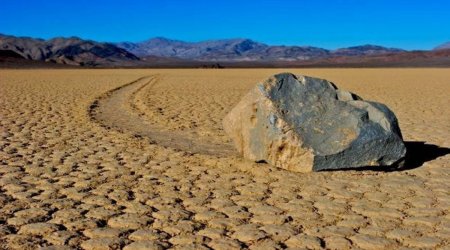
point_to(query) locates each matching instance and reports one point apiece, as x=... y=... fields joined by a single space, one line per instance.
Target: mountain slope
x=243 y=50
x=443 y=46
x=11 y=59
x=162 y=52
x=221 y=50
x=72 y=51
x=10 y=54
x=434 y=58
x=365 y=50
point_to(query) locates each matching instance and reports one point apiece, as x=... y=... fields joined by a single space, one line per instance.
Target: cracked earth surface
x=75 y=173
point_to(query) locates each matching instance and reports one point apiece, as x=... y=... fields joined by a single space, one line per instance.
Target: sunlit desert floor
x=105 y=159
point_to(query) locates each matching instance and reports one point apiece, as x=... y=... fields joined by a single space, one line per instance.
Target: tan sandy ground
x=89 y=170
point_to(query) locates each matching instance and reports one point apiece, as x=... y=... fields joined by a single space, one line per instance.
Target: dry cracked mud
x=137 y=159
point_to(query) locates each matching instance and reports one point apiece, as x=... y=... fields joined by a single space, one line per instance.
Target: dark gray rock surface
x=306 y=124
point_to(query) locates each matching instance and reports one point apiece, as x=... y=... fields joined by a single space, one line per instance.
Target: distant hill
x=435 y=58
x=71 y=51
x=22 y=52
x=242 y=50
x=443 y=46
x=221 y=50
x=365 y=50
x=11 y=59
x=10 y=54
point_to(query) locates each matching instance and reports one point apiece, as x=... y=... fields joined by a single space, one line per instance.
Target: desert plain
x=138 y=159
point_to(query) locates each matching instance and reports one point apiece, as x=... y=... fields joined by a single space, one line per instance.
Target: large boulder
x=304 y=124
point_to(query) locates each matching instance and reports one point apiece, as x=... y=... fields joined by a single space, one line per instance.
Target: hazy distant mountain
x=365 y=50
x=242 y=50
x=73 y=51
x=443 y=46
x=11 y=59
x=434 y=58
x=162 y=52
x=221 y=50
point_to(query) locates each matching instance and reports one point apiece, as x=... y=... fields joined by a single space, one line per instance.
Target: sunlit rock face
x=304 y=124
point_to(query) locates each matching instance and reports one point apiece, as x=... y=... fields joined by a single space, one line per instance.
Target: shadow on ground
x=418 y=152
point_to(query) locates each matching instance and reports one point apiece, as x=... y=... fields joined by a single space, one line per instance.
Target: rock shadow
x=417 y=153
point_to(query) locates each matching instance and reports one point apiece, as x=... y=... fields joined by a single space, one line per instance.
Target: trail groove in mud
x=118 y=110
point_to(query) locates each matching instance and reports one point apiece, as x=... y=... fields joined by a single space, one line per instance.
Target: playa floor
x=106 y=159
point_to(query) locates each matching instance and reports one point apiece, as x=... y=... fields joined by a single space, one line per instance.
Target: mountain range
x=242 y=50
x=71 y=51
x=443 y=46
x=230 y=52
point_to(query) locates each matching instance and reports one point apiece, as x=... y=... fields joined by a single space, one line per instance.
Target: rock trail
x=119 y=110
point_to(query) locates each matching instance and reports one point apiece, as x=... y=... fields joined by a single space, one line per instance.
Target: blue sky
x=329 y=24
